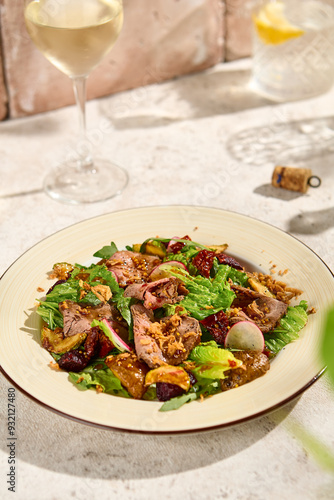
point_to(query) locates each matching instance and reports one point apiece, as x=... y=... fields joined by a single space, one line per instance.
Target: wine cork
x=294 y=179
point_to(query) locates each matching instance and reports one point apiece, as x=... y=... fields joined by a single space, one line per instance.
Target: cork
x=294 y=179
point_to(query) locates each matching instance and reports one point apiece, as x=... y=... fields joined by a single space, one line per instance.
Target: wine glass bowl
x=75 y=35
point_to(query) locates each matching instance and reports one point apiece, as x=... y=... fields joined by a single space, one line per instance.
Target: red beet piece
x=73 y=361
x=166 y=391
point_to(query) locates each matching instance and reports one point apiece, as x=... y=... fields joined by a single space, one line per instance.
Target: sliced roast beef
x=145 y=345
x=77 y=318
x=156 y=293
x=254 y=365
x=264 y=311
x=132 y=267
x=169 y=340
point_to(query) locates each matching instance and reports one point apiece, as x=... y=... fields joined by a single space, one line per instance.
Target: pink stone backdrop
x=238 y=33
x=160 y=39
x=3 y=92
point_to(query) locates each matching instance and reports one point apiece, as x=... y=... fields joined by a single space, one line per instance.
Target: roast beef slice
x=77 y=318
x=156 y=293
x=132 y=267
x=168 y=341
x=264 y=311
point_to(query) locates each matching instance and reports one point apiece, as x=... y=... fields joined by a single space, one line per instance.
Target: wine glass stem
x=85 y=163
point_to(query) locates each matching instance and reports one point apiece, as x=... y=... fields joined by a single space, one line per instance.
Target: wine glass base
x=69 y=184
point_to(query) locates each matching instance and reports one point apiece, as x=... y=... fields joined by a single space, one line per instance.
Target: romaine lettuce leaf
x=93 y=376
x=237 y=277
x=206 y=296
x=185 y=257
x=212 y=361
x=287 y=331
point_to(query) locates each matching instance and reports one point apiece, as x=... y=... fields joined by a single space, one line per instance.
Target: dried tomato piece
x=204 y=262
x=230 y=261
x=92 y=342
x=177 y=247
x=105 y=345
x=217 y=326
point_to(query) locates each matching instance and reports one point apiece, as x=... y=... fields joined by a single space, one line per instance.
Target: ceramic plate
x=25 y=363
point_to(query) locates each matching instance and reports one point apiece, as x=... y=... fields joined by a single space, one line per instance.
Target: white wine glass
x=74 y=35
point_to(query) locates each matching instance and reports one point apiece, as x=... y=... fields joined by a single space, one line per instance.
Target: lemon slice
x=272 y=26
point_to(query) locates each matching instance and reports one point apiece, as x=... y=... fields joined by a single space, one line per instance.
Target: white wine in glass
x=74 y=35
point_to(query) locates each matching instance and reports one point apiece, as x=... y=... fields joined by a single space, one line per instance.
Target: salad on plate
x=169 y=319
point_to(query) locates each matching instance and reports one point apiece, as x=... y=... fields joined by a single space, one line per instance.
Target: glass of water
x=293 y=48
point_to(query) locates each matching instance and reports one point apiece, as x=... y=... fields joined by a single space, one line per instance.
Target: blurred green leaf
x=320 y=451
x=327 y=347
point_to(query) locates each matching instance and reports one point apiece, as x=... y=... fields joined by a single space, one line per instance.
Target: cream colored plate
x=25 y=363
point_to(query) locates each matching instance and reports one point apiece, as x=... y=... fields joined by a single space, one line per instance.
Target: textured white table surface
x=201 y=140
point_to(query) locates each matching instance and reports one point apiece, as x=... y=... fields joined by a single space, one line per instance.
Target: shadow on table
x=208 y=94
x=33 y=125
x=314 y=222
x=68 y=448
x=306 y=222
x=269 y=191
x=305 y=143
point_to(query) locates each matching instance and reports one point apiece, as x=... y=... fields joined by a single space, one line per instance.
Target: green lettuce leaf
x=202 y=388
x=185 y=257
x=70 y=290
x=212 y=361
x=206 y=296
x=107 y=251
x=50 y=314
x=237 y=277
x=288 y=329
x=93 y=376
x=188 y=243
x=176 y=403
x=122 y=303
